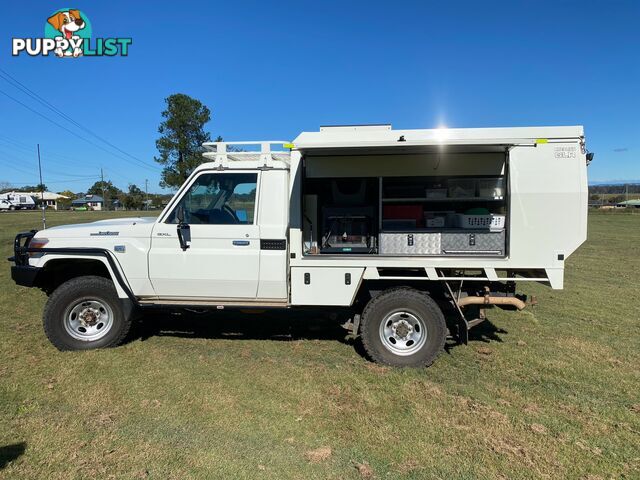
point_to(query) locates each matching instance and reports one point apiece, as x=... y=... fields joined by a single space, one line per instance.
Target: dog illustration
x=67 y=23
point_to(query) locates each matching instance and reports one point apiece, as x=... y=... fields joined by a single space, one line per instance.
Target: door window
x=219 y=199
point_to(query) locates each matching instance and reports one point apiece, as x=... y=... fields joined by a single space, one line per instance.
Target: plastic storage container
x=492 y=222
x=434 y=222
x=436 y=192
x=403 y=212
x=491 y=188
x=462 y=187
x=440 y=219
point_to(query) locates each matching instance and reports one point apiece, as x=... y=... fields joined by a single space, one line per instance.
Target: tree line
x=132 y=199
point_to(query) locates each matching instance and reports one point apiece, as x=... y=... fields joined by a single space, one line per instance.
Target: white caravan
x=18 y=201
x=414 y=233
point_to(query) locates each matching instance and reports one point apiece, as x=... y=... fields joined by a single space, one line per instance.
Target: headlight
x=37 y=243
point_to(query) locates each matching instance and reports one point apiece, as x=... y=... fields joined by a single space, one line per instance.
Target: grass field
x=552 y=392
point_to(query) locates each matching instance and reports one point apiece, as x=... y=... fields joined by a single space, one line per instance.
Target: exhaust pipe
x=487 y=300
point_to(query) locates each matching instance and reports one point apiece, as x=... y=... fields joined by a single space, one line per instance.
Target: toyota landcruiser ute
x=411 y=235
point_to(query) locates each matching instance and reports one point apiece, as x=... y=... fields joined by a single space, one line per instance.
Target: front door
x=222 y=261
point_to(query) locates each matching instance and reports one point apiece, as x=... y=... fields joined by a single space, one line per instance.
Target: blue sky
x=269 y=70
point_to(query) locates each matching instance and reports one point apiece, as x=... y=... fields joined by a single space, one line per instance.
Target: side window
x=219 y=199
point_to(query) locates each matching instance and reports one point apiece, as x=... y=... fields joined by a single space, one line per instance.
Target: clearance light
x=37 y=243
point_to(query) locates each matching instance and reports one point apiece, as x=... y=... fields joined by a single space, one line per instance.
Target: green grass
x=546 y=393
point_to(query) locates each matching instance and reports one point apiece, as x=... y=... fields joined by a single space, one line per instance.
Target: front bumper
x=24 y=275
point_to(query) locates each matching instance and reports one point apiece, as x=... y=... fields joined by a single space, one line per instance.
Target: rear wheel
x=85 y=313
x=403 y=327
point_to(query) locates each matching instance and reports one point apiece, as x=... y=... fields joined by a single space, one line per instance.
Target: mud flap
x=462 y=324
x=463 y=330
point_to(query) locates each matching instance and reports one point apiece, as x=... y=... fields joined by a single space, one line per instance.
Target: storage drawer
x=490 y=243
x=410 y=243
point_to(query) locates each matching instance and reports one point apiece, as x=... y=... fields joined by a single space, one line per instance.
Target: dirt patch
x=538 y=428
x=364 y=470
x=375 y=368
x=583 y=446
x=318 y=455
x=408 y=466
x=510 y=448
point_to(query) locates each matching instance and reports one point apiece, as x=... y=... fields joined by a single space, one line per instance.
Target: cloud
x=620 y=150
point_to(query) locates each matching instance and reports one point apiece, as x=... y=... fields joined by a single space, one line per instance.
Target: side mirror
x=184 y=230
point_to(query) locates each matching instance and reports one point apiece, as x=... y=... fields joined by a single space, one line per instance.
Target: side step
x=219 y=303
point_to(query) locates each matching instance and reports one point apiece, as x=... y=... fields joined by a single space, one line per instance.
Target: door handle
x=241 y=243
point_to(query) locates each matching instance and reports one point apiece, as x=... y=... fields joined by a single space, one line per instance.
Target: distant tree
x=134 y=198
x=106 y=189
x=5 y=187
x=41 y=187
x=64 y=203
x=109 y=189
x=27 y=188
x=67 y=193
x=594 y=197
x=181 y=137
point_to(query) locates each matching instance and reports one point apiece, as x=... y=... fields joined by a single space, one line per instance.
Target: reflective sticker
x=288 y=145
x=542 y=140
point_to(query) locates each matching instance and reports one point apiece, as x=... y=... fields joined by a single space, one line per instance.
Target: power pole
x=104 y=200
x=44 y=218
x=146 y=193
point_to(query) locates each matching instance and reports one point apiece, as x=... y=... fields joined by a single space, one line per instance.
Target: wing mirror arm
x=184 y=230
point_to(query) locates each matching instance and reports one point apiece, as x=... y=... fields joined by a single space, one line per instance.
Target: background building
x=90 y=202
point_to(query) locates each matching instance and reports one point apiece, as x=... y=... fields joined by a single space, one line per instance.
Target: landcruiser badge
x=104 y=234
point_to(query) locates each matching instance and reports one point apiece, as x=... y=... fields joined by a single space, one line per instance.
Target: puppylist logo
x=67 y=34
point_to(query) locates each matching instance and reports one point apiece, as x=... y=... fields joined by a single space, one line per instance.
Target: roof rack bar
x=265 y=146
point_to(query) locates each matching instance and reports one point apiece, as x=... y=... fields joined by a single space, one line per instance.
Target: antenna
x=44 y=218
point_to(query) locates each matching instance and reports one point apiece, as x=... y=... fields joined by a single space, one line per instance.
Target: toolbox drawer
x=408 y=243
x=490 y=243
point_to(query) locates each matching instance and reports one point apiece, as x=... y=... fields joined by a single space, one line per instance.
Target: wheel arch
x=59 y=268
x=369 y=288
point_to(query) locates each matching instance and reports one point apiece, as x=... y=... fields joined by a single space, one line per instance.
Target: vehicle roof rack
x=261 y=151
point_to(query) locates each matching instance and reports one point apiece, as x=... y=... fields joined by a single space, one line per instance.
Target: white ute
x=413 y=233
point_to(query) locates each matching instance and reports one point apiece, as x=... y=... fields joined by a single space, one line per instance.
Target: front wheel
x=403 y=327
x=85 y=313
